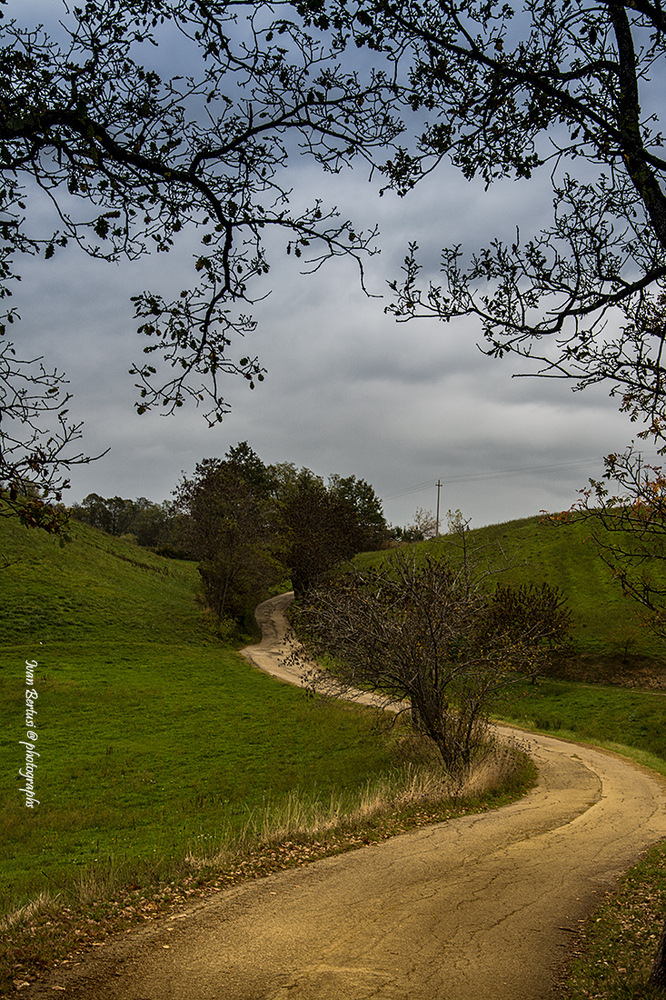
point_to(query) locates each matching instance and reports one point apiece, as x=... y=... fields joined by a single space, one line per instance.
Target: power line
x=411 y=489
x=500 y=474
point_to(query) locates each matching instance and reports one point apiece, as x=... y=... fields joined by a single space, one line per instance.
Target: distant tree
x=150 y=523
x=249 y=525
x=424 y=525
x=326 y=524
x=317 y=529
x=282 y=478
x=368 y=513
x=234 y=533
x=421 y=529
x=110 y=514
x=457 y=523
x=417 y=631
x=249 y=466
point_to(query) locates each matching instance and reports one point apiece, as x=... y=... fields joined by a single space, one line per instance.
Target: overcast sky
x=348 y=390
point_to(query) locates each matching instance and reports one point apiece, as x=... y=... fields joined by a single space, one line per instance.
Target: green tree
x=368 y=514
x=249 y=466
x=99 y=512
x=326 y=524
x=234 y=532
x=150 y=523
x=316 y=534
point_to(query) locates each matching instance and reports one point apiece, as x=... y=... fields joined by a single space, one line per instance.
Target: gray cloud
x=348 y=390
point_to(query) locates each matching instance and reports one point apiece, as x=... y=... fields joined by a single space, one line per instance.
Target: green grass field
x=157 y=741
x=629 y=721
x=154 y=739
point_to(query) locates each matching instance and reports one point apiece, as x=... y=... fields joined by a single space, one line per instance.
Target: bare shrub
x=428 y=638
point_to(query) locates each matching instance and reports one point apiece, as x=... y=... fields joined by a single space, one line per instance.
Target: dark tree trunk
x=658 y=972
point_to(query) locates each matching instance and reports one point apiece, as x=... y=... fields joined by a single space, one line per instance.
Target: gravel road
x=483 y=906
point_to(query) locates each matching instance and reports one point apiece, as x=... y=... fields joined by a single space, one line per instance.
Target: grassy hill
x=154 y=739
x=610 y=638
x=612 y=647
x=157 y=741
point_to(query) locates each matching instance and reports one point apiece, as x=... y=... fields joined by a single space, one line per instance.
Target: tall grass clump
x=403 y=792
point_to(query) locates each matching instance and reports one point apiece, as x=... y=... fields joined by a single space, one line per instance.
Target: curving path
x=480 y=907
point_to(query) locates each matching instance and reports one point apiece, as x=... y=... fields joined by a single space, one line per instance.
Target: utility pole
x=439 y=486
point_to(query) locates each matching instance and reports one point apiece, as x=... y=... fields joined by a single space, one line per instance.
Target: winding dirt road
x=480 y=907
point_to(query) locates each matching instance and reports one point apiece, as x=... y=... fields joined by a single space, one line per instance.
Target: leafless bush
x=429 y=638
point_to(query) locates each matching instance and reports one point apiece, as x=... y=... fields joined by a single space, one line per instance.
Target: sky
x=348 y=390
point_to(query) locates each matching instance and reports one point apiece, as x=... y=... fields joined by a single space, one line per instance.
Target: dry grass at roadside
x=52 y=931
x=410 y=787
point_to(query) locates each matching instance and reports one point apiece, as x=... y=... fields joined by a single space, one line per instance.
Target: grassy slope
x=153 y=737
x=606 y=626
x=608 y=633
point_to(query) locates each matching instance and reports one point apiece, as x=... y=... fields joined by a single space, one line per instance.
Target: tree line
x=249 y=526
